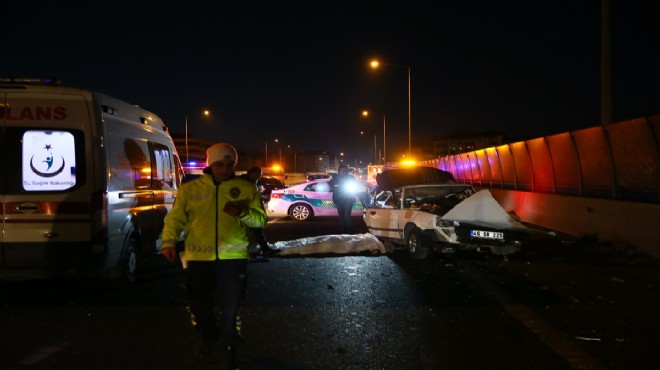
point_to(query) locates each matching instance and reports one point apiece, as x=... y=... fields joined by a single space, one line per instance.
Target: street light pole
x=186 y=140
x=365 y=113
x=279 y=146
x=409 y=116
x=375 y=151
x=375 y=64
x=384 y=155
x=205 y=113
x=295 y=160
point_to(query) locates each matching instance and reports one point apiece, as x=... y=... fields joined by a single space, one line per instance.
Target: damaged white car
x=422 y=209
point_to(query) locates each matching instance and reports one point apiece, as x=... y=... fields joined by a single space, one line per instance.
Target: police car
x=311 y=199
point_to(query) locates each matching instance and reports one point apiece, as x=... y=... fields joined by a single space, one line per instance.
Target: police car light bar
x=193 y=164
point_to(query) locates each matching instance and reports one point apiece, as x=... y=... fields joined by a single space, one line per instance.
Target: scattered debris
x=588 y=339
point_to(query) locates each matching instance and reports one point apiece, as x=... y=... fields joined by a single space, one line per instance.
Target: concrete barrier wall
x=630 y=224
x=602 y=181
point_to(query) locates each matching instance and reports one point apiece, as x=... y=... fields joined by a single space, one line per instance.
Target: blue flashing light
x=194 y=164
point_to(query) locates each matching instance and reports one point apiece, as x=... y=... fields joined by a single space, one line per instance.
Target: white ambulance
x=85 y=185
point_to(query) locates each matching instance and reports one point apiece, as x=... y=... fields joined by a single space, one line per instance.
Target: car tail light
x=275 y=195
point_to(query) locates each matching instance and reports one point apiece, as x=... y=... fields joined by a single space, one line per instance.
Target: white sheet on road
x=482 y=209
x=343 y=244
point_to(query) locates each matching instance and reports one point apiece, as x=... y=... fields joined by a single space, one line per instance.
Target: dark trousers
x=260 y=237
x=221 y=282
x=344 y=208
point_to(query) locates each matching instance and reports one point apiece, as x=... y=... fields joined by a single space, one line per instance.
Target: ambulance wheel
x=124 y=274
x=130 y=262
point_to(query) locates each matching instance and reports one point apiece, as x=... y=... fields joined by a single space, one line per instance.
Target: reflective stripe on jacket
x=210 y=233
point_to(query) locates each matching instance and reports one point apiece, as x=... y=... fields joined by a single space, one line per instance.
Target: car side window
x=385 y=199
x=322 y=187
x=408 y=199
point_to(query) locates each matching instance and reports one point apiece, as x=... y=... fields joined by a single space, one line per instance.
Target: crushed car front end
x=423 y=210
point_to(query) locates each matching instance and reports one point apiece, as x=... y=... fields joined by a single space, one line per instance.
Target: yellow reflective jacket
x=210 y=233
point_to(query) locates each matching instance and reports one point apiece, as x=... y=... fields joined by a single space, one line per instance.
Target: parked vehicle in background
x=89 y=184
x=267 y=184
x=310 y=199
x=274 y=171
x=311 y=176
x=191 y=173
x=421 y=209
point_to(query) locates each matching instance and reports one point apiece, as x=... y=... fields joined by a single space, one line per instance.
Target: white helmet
x=219 y=152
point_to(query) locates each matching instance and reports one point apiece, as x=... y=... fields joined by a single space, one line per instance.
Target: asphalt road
x=553 y=305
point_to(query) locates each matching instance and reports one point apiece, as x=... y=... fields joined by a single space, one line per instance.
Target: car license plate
x=487 y=234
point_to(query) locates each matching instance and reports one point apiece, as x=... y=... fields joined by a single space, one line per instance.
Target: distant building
x=465 y=141
x=196 y=148
x=424 y=151
x=306 y=161
x=292 y=161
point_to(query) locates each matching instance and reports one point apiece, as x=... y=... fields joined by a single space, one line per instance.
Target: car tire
x=126 y=270
x=301 y=212
x=415 y=242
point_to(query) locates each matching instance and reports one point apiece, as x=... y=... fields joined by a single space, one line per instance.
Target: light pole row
x=365 y=113
x=279 y=147
x=375 y=64
x=205 y=113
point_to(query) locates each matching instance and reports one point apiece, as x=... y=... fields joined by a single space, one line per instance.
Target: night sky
x=299 y=71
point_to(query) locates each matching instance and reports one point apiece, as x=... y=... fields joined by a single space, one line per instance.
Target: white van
x=85 y=184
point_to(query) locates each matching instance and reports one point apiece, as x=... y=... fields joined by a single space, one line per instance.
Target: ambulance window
x=162 y=169
x=48 y=160
x=178 y=173
x=137 y=161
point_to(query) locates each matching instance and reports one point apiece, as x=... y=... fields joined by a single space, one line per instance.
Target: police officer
x=216 y=211
x=343 y=195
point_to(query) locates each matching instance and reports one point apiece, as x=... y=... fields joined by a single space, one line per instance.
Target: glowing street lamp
x=365 y=113
x=295 y=158
x=280 y=149
x=374 y=64
x=277 y=141
x=205 y=113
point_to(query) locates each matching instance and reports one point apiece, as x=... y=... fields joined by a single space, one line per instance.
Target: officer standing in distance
x=343 y=195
